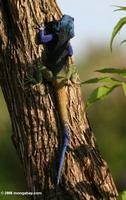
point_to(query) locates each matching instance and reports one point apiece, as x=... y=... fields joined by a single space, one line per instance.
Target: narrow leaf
x=120 y=8
x=123 y=42
x=101 y=80
x=112 y=71
x=99 y=94
x=124 y=88
x=123 y=75
x=117 y=28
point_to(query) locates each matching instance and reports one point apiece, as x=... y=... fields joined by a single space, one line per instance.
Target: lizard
x=59 y=69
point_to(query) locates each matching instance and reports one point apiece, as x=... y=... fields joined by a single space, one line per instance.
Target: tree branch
x=37 y=130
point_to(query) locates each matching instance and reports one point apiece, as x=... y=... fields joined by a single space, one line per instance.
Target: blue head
x=66 y=23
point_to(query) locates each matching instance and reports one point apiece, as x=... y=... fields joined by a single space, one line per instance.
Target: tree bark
x=37 y=131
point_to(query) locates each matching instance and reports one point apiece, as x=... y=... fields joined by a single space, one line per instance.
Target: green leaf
x=100 y=93
x=123 y=42
x=101 y=80
x=124 y=88
x=113 y=71
x=120 y=8
x=117 y=28
x=122 y=196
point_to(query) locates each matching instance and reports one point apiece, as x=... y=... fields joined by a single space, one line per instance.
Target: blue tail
x=64 y=148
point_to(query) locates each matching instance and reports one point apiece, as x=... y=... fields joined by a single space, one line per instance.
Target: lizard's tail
x=62 y=101
x=64 y=148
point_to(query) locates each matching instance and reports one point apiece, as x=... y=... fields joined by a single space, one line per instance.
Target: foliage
x=118 y=26
x=122 y=196
x=110 y=84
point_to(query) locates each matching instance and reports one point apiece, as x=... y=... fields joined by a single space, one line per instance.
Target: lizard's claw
x=69 y=83
x=42 y=27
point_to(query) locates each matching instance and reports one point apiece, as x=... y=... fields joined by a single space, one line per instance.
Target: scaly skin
x=62 y=101
x=61 y=96
x=59 y=82
x=60 y=65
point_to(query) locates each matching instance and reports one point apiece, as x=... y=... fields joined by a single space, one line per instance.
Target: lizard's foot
x=30 y=79
x=75 y=78
x=69 y=82
x=47 y=74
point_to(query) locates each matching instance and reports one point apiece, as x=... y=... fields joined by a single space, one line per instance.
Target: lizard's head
x=65 y=24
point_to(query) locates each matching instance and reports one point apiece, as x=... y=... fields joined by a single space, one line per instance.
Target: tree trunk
x=37 y=131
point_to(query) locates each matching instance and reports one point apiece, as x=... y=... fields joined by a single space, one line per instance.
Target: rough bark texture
x=37 y=131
